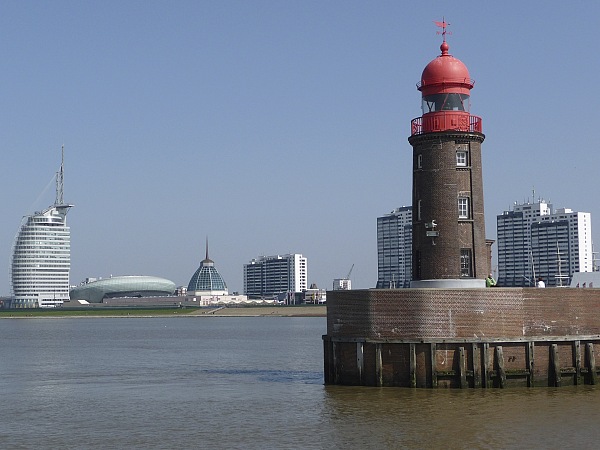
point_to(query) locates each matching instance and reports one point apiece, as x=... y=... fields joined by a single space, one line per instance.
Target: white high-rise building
x=268 y=276
x=534 y=241
x=394 y=248
x=41 y=256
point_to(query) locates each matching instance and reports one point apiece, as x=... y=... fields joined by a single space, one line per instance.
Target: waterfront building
x=534 y=241
x=315 y=296
x=99 y=290
x=41 y=255
x=394 y=249
x=207 y=280
x=269 y=276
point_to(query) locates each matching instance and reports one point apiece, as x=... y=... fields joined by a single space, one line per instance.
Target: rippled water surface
x=253 y=382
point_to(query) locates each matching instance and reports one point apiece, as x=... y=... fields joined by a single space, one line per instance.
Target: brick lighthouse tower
x=449 y=245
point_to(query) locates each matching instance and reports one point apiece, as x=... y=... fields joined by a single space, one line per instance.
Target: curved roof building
x=41 y=255
x=125 y=286
x=207 y=280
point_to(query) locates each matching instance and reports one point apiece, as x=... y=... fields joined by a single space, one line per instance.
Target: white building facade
x=394 y=249
x=41 y=260
x=269 y=276
x=535 y=241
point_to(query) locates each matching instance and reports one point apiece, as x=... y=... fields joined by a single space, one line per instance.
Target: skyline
x=274 y=128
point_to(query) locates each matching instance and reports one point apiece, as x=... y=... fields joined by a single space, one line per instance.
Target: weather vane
x=443 y=24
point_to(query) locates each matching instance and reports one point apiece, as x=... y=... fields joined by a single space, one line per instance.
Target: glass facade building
x=534 y=241
x=269 y=276
x=394 y=249
x=207 y=280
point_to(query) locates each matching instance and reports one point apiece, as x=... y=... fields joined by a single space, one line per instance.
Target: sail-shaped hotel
x=41 y=257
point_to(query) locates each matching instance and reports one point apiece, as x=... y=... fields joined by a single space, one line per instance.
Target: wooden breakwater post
x=457 y=338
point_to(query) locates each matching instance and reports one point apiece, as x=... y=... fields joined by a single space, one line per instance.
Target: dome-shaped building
x=207 y=280
x=98 y=291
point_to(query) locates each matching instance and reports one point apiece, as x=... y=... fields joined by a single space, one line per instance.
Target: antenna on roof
x=60 y=180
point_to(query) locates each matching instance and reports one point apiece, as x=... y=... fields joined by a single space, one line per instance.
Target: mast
x=60 y=180
x=560 y=277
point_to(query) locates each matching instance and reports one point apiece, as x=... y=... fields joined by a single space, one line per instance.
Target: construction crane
x=349 y=272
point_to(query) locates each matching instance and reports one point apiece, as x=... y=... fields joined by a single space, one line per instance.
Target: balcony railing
x=445 y=121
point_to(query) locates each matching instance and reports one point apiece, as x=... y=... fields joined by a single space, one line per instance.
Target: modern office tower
x=394 y=249
x=515 y=266
x=534 y=241
x=41 y=256
x=268 y=276
x=449 y=247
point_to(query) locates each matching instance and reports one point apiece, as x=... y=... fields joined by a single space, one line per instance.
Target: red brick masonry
x=462 y=337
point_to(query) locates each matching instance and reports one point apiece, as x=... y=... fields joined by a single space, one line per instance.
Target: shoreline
x=266 y=311
x=106 y=312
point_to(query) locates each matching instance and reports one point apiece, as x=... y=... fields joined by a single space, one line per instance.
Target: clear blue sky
x=276 y=126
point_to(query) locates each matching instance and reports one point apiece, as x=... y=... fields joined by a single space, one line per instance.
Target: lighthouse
x=449 y=330
x=449 y=247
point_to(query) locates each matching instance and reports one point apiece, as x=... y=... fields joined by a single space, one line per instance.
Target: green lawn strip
x=85 y=312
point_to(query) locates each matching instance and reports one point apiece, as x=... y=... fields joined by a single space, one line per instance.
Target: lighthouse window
x=461 y=158
x=465 y=262
x=445 y=102
x=419 y=161
x=463 y=207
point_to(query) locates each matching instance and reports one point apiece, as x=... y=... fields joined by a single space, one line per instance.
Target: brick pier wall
x=462 y=337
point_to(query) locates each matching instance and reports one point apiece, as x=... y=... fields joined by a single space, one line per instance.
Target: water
x=246 y=383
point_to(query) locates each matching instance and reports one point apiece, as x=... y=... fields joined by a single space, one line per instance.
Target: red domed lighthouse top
x=445 y=88
x=445 y=74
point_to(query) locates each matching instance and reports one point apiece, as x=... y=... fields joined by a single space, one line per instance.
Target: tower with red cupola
x=449 y=246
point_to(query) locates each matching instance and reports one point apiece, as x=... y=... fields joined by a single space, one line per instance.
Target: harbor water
x=247 y=382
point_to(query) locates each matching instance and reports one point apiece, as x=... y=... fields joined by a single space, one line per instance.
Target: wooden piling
x=433 y=355
x=577 y=360
x=378 y=365
x=501 y=374
x=413 y=366
x=360 y=361
x=462 y=368
x=476 y=358
x=530 y=361
x=591 y=363
x=554 y=375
